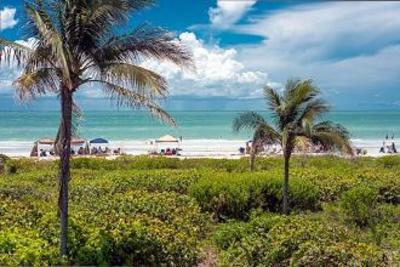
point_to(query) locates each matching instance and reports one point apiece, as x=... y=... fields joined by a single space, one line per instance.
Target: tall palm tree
x=76 y=45
x=295 y=113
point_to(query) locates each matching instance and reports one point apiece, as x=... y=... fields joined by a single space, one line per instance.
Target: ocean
x=202 y=132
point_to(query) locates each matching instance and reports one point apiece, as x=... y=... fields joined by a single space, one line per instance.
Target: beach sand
x=195 y=148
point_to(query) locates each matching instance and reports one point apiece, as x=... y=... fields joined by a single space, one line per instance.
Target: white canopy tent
x=167 y=139
x=164 y=143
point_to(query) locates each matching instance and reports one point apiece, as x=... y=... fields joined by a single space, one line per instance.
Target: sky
x=350 y=49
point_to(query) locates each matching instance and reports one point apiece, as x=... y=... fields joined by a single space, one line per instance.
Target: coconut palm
x=294 y=113
x=75 y=45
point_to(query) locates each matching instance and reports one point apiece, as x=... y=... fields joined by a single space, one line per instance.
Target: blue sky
x=350 y=49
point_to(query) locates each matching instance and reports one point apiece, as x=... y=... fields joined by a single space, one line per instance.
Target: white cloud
x=344 y=46
x=228 y=12
x=7 y=18
x=218 y=72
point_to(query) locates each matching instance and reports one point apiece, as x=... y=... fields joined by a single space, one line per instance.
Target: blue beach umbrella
x=99 y=141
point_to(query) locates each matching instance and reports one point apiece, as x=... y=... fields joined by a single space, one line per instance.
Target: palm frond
x=11 y=50
x=265 y=134
x=248 y=120
x=272 y=97
x=142 y=80
x=302 y=92
x=290 y=86
x=296 y=96
x=101 y=14
x=40 y=58
x=302 y=143
x=312 y=110
x=131 y=99
x=40 y=21
x=40 y=82
x=143 y=43
x=333 y=134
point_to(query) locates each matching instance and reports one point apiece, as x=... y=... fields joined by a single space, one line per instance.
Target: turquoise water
x=127 y=125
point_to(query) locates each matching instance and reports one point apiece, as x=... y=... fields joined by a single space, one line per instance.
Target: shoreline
x=191 y=148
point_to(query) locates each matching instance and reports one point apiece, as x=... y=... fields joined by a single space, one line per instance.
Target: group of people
x=99 y=150
x=44 y=153
x=82 y=151
x=388 y=145
x=169 y=152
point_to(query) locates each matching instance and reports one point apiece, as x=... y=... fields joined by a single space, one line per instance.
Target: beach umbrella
x=99 y=141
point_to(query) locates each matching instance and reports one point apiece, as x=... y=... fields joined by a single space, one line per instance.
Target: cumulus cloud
x=218 y=72
x=343 y=45
x=7 y=18
x=229 y=12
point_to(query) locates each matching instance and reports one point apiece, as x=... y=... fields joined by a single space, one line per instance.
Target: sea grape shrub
x=25 y=165
x=126 y=163
x=146 y=163
x=235 y=195
x=111 y=223
x=23 y=247
x=118 y=181
x=159 y=212
x=229 y=234
x=359 y=205
x=389 y=162
x=136 y=227
x=299 y=241
x=3 y=160
x=345 y=253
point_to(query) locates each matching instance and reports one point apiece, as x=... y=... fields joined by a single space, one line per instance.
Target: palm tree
x=294 y=113
x=75 y=46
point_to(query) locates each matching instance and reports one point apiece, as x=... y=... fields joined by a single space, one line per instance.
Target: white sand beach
x=191 y=148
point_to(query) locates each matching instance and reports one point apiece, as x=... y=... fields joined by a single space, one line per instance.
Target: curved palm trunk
x=285 y=205
x=65 y=140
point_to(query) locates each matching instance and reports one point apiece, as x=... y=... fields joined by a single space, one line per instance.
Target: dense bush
x=345 y=253
x=152 y=180
x=153 y=211
x=111 y=222
x=359 y=205
x=296 y=241
x=235 y=195
x=3 y=159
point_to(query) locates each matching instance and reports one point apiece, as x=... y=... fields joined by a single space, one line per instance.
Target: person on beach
x=393 y=148
x=81 y=151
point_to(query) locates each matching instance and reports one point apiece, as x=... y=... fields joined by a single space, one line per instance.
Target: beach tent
x=41 y=142
x=78 y=143
x=99 y=141
x=165 y=142
x=51 y=142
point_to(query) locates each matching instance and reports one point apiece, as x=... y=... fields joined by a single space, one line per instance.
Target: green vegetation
x=160 y=211
x=295 y=126
x=77 y=45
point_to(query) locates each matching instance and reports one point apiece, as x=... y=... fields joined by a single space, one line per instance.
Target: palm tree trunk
x=286 y=185
x=66 y=125
x=252 y=159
